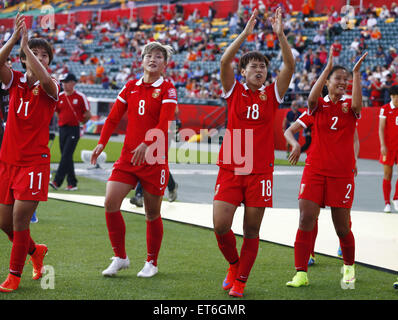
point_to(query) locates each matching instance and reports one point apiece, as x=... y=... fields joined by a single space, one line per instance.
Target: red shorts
x=23 y=183
x=153 y=178
x=390 y=159
x=253 y=190
x=327 y=191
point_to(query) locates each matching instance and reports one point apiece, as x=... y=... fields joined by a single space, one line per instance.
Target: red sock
x=386 y=190
x=117 y=231
x=19 y=251
x=347 y=245
x=248 y=255
x=227 y=245
x=396 y=191
x=302 y=249
x=154 y=236
x=32 y=244
x=314 y=235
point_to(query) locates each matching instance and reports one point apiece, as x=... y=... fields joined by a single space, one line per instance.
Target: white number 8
x=163 y=177
x=141 y=107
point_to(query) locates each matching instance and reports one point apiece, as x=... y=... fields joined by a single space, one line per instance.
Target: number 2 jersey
x=248 y=145
x=148 y=106
x=26 y=136
x=332 y=151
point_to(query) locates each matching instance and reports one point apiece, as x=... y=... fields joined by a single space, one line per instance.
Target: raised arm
x=356 y=104
x=46 y=82
x=5 y=72
x=285 y=75
x=317 y=88
x=227 y=73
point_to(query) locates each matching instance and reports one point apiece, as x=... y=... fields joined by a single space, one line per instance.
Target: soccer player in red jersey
x=150 y=103
x=328 y=177
x=24 y=155
x=248 y=179
x=388 y=135
x=306 y=121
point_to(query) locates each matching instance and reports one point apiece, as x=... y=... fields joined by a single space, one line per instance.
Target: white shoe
x=387 y=208
x=149 y=270
x=116 y=265
x=395 y=203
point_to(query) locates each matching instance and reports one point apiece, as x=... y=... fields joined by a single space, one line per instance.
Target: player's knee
x=306 y=222
x=110 y=205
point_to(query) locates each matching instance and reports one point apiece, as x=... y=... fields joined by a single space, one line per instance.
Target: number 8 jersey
x=26 y=136
x=248 y=145
x=332 y=152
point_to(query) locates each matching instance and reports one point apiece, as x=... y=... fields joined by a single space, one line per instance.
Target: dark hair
x=393 y=90
x=334 y=69
x=252 y=55
x=37 y=43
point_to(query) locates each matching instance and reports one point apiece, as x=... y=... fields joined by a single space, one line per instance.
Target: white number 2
x=335 y=119
x=349 y=187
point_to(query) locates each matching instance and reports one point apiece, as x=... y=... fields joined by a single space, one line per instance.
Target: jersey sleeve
x=305 y=120
x=14 y=76
x=169 y=104
x=115 y=115
x=382 y=113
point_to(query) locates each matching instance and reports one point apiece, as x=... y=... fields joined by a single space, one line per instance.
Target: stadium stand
x=82 y=46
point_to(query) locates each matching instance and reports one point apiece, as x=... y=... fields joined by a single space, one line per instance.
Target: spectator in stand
x=375 y=92
x=319 y=38
x=375 y=34
x=336 y=50
x=366 y=89
x=99 y=73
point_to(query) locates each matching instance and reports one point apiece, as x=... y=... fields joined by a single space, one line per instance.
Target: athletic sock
x=154 y=236
x=248 y=256
x=116 y=231
x=396 y=191
x=347 y=244
x=314 y=235
x=227 y=244
x=386 y=190
x=19 y=251
x=302 y=249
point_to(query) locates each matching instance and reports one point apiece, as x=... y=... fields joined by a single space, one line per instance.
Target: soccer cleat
x=349 y=274
x=237 y=289
x=34 y=218
x=116 y=265
x=311 y=260
x=71 y=188
x=10 y=284
x=54 y=185
x=37 y=260
x=231 y=276
x=387 y=208
x=173 y=194
x=395 y=284
x=149 y=270
x=300 y=279
x=138 y=201
x=339 y=252
x=395 y=203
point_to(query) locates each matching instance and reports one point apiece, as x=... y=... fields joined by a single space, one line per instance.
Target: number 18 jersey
x=248 y=145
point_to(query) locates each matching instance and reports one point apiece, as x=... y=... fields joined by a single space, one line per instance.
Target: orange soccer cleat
x=231 y=276
x=237 y=289
x=37 y=260
x=10 y=284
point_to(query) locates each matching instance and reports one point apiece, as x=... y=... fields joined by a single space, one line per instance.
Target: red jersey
x=390 y=113
x=332 y=152
x=248 y=145
x=148 y=106
x=306 y=120
x=71 y=109
x=31 y=109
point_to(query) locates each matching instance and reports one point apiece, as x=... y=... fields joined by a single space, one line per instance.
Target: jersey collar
x=156 y=84
x=392 y=105
x=259 y=89
x=24 y=79
x=327 y=98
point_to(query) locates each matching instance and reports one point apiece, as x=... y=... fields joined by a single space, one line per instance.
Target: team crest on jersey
x=344 y=107
x=263 y=96
x=35 y=91
x=156 y=93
